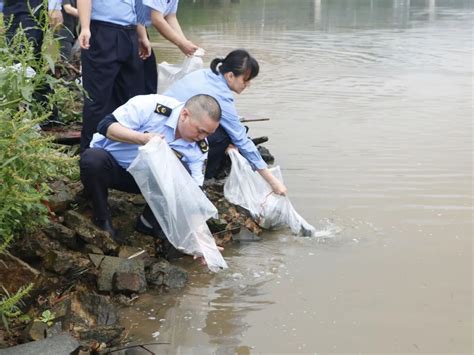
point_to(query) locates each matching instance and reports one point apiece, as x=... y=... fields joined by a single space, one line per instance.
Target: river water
x=371 y=121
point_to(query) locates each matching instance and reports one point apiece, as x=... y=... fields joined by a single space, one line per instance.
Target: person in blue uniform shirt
x=113 y=43
x=27 y=14
x=184 y=126
x=162 y=15
x=228 y=75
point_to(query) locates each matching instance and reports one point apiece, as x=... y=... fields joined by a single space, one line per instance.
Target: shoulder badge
x=163 y=110
x=203 y=146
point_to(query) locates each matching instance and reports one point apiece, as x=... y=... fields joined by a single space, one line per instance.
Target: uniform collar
x=172 y=122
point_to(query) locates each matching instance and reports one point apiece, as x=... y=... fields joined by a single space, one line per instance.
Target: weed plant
x=28 y=158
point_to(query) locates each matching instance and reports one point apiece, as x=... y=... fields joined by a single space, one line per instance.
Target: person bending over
x=184 y=126
x=231 y=74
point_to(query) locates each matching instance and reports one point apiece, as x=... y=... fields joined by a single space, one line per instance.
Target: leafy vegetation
x=29 y=91
x=28 y=159
x=9 y=305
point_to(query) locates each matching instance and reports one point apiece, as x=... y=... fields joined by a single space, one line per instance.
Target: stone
x=107 y=266
x=128 y=282
x=246 y=236
x=163 y=273
x=109 y=334
x=55 y=329
x=266 y=155
x=89 y=232
x=61 y=233
x=92 y=249
x=36 y=330
x=61 y=198
x=60 y=344
x=132 y=252
x=58 y=262
x=216 y=225
x=89 y=310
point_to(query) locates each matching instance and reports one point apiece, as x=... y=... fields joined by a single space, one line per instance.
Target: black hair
x=239 y=62
x=202 y=103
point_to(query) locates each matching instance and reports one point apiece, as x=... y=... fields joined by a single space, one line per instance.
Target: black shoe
x=167 y=251
x=106 y=226
x=142 y=228
x=154 y=232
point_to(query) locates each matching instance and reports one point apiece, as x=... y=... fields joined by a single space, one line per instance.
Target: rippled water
x=371 y=122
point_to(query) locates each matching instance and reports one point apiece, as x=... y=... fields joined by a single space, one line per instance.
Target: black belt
x=114 y=25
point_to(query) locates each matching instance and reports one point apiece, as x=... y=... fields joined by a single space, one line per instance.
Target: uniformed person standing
x=162 y=14
x=27 y=14
x=113 y=44
x=183 y=126
x=227 y=75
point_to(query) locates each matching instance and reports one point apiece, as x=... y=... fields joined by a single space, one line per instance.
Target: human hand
x=229 y=147
x=84 y=38
x=55 y=18
x=278 y=187
x=144 y=48
x=188 y=47
x=148 y=136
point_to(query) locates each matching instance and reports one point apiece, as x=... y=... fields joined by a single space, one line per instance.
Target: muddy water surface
x=371 y=121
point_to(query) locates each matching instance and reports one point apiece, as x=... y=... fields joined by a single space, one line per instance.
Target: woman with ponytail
x=226 y=75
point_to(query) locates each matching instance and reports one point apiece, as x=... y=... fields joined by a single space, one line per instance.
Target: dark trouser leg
x=218 y=142
x=150 y=73
x=129 y=80
x=18 y=15
x=99 y=172
x=112 y=74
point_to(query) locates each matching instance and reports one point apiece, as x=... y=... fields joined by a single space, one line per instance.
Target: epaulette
x=203 y=146
x=163 y=110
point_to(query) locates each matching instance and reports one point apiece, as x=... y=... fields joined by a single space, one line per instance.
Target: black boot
x=106 y=226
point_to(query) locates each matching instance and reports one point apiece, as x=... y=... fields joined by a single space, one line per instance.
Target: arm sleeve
x=135 y=113
x=54 y=5
x=238 y=135
x=158 y=5
x=103 y=125
x=143 y=12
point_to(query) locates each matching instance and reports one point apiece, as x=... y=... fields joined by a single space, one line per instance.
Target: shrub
x=28 y=159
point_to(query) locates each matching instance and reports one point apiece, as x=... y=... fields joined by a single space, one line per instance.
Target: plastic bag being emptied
x=169 y=73
x=247 y=188
x=177 y=202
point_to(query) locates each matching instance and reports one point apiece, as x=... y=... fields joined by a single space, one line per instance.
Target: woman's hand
x=276 y=185
x=279 y=188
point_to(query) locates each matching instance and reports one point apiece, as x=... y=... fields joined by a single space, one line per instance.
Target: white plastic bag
x=177 y=202
x=169 y=73
x=246 y=188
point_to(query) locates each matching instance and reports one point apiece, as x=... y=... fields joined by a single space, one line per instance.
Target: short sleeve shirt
x=166 y=7
x=139 y=115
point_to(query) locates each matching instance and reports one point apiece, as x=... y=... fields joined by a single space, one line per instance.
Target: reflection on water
x=371 y=120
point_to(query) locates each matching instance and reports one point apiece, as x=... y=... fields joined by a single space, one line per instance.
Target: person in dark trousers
x=184 y=126
x=114 y=43
x=27 y=15
x=68 y=32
